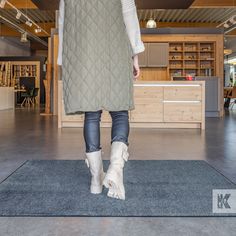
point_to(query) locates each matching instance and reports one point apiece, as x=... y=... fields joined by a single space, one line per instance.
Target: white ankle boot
x=114 y=177
x=94 y=163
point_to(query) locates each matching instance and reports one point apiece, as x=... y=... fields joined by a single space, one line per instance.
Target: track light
x=38 y=30
x=24 y=37
x=18 y=15
x=29 y=23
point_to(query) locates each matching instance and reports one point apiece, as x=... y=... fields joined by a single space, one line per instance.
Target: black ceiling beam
x=163 y=4
x=47 y=5
x=141 y=4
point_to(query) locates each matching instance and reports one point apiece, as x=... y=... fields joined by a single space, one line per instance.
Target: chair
x=226 y=92
x=233 y=97
x=27 y=95
x=30 y=96
x=33 y=97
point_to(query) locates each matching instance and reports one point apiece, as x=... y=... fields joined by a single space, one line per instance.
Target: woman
x=99 y=43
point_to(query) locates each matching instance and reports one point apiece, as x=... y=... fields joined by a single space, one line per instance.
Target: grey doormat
x=153 y=188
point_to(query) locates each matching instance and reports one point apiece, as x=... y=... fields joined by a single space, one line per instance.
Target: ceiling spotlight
x=151 y=23
x=18 y=15
x=2 y=3
x=227 y=51
x=38 y=30
x=24 y=37
x=29 y=23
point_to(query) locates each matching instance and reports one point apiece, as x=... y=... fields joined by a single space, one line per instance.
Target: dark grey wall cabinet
x=158 y=54
x=155 y=55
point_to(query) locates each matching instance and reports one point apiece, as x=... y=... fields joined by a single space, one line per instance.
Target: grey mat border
x=84 y=216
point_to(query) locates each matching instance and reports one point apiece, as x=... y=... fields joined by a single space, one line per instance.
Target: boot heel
x=96 y=189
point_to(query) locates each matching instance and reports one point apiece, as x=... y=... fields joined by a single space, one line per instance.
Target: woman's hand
x=136 y=69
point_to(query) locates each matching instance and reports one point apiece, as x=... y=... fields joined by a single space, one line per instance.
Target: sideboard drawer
x=143 y=94
x=149 y=112
x=188 y=93
x=148 y=104
x=182 y=112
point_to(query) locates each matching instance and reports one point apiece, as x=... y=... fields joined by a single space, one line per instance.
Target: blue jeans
x=91 y=131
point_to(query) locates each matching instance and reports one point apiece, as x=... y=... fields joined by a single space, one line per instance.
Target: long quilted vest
x=97 y=64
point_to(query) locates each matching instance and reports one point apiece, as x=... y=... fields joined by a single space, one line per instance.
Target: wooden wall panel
x=154 y=74
x=213 y=3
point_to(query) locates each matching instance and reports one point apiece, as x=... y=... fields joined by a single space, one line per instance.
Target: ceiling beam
x=180 y=25
x=214 y=4
x=231 y=33
x=47 y=5
x=22 y=4
x=166 y=4
x=141 y=4
x=48 y=26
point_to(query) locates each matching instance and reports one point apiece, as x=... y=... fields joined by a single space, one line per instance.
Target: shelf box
x=176 y=47
x=190 y=47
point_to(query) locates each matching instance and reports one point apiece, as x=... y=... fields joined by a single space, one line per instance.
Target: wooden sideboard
x=158 y=104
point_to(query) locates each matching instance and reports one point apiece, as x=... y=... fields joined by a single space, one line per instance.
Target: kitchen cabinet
x=155 y=55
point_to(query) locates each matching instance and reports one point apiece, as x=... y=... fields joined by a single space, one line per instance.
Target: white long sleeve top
x=130 y=17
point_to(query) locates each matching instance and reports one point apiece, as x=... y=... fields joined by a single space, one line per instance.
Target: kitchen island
x=158 y=104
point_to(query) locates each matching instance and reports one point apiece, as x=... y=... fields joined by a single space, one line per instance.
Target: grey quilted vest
x=97 y=64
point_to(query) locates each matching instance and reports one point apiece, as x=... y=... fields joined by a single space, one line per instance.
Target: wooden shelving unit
x=25 y=70
x=12 y=71
x=5 y=74
x=192 y=58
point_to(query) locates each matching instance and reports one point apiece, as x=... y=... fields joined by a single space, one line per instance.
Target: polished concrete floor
x=24 y=134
